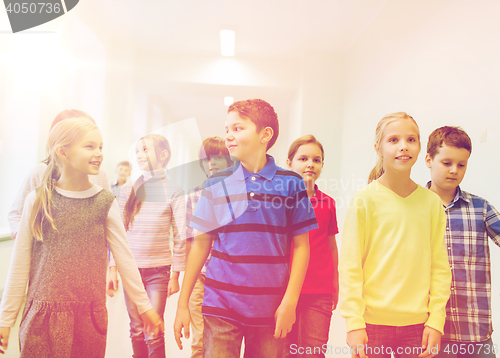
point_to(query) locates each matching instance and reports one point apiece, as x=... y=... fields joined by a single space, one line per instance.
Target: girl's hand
x=285 y=318
x=431 y=342
x=355 y=339
x=112 y=282
x=153 y=324
x=4 y=338
x=173 y=284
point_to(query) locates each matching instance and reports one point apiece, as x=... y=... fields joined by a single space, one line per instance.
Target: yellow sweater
x=393 y=265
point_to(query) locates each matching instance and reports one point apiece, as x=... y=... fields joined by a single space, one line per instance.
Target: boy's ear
x=428 y=161
x=289 y=163
x=267 y=134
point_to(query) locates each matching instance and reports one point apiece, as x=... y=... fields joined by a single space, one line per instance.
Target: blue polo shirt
x=255 y=216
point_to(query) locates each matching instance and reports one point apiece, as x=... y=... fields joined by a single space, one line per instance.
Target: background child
x=320 y=292
x=214 y=156
x=61 y=249
x=255 y=208
x=34 y=178
x=122 y=173
x=394 y=272
x=470 y=220
x=150 y=207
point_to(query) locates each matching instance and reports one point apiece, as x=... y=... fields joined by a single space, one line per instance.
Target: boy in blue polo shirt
x=256 y=209
x=470 y=221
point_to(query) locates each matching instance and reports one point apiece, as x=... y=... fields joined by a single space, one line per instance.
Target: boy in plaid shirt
x=470 y=221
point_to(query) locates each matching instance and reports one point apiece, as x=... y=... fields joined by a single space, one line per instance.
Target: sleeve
x=190 y=206
x=121 y=200
x=29 y=184
x=19 y=269
x=333 y=227
x=352 y=305
x=492 y=221
x=204 y=219
x=440 y=271
x=117 y=240
x=179 y=231
x=301 y=212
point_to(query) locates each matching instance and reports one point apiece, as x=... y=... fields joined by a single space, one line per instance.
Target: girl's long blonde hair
x=63 y=134
x=133 y=205
x=378 y=170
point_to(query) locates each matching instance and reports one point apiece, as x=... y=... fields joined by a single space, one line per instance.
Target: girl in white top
x=34 y=178
x=61 y=250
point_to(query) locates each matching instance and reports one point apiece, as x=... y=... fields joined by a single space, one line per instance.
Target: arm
x=112 y=279
x=199 y=252
x=285 y=314
x=18 y=275
x=29 y=184
x=492 y=222
x=332 y=243
x=179 y=231
x=352 y=305
x=439 y=292
x=117 y=240
x=440 y=282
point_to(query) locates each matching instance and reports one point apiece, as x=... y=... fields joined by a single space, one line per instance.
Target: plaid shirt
x=192 y=200
x=469 y=221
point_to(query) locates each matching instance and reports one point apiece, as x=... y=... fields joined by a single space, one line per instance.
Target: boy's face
x=448 y=167
x=123 y=172
x=242 y=138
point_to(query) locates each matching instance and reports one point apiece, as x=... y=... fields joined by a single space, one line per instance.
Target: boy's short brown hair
x=259 y=112
x=451 y=136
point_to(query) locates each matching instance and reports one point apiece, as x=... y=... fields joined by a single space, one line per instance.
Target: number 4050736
x=34 y=8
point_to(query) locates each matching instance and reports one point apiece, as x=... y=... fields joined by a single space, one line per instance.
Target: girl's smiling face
x=85 y=156
x=308 y=161
x=400 y=146
x=147 y=157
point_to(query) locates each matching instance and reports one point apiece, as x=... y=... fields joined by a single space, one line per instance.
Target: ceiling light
x=227 y=42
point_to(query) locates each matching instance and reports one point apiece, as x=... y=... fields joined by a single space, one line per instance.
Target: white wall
x=438 y=61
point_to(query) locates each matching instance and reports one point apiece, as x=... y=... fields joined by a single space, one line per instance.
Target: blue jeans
x=309 y=334
x=404 y=341
x=155 y=280
x=484 y=349
x=222 y=339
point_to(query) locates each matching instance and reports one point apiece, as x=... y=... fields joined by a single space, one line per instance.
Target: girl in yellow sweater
x=394 y=272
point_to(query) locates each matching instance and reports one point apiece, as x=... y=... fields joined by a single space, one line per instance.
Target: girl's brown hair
x=133 y=205
x=378 y=170
x=63 y=134
x=294 y=147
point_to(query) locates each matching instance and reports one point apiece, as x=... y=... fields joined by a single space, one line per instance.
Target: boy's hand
x=182 y=319
x=355 y=339
x=153 y=324
x=112 y=282
x=285 y=318
x=431 y=342
x=173 y=284
x=4 y=338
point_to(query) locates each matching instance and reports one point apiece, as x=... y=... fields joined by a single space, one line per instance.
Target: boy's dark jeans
x=309 y=335
x=405 y=341
x=222 y=339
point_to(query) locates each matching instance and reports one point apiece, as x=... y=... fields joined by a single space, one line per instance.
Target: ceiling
x=264 y=28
